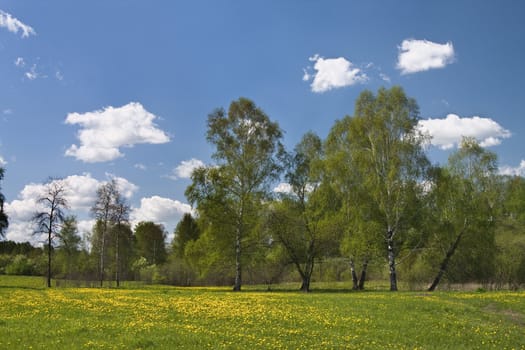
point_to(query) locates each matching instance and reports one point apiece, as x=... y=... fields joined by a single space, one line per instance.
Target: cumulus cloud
x=80 y=195
x=447 y=133
x=421 y=55
x=105 y=131
x=185 y=169
x=3 y=162
x=332 y=73
x=160 y=210
x=513 y=171
x=14 y=25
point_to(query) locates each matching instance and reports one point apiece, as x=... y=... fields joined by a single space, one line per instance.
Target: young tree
x=246 y=144
x=69 y=242
x=4 y=222
x=48 y=221
x=300 y=219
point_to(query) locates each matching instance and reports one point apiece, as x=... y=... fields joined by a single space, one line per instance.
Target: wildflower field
x=160 y=317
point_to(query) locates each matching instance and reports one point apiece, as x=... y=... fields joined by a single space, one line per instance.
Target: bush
x=21 y=265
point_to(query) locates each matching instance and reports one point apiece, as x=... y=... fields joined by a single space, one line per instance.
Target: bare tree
x=48 y=221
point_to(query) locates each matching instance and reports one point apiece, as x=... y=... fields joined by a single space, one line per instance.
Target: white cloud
x=185 y=169
x=126 y=188
x=20 y=62
x=447 y=133
x=3 y=162
x=14 y=25
x=332 y=73
x=161 y=210
x=81 y=192
x=32 y=74
x=306 y=75
x=105 y=131
x=85 y=226
x=513 y=171
x=140 y=166
x=283 y=187
x=385 y=77
x=421 y=55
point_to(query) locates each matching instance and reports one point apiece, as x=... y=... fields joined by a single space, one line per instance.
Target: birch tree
x=247 y=144
x=103 y=211
x=388 y=157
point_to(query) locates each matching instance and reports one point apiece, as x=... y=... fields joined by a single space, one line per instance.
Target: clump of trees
x=364 y=203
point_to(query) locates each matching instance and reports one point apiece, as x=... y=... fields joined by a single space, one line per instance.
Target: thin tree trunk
x=237 y=286
x=362 y=278
x=103 y=244
x=117 y=258
x=391 y=260
x=444 y=263
x=355 y=283
x=49 y=259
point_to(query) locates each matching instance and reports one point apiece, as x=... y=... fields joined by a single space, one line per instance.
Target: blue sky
x=100 y=89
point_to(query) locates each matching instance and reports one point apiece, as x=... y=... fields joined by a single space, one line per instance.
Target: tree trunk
x=103 y=244
x=237 y=286
x=391 y=260
x=305 y=285
x=362 y=278
x=49 y=259
x=355 y=283
x=307 y=274
x=117 y=258
x=444 y=263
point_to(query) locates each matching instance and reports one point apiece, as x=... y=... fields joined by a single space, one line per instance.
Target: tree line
x=363 y=203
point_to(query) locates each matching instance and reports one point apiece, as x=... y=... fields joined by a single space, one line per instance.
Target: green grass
x=159 y=317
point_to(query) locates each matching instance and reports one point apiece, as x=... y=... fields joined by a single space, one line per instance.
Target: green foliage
x=22 y=265
x=230 y=195
x=465 y=197
x=151 y=242
x=187 y=230
x=376 y=162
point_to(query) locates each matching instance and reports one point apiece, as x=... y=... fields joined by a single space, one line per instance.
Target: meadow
x=162 y=317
